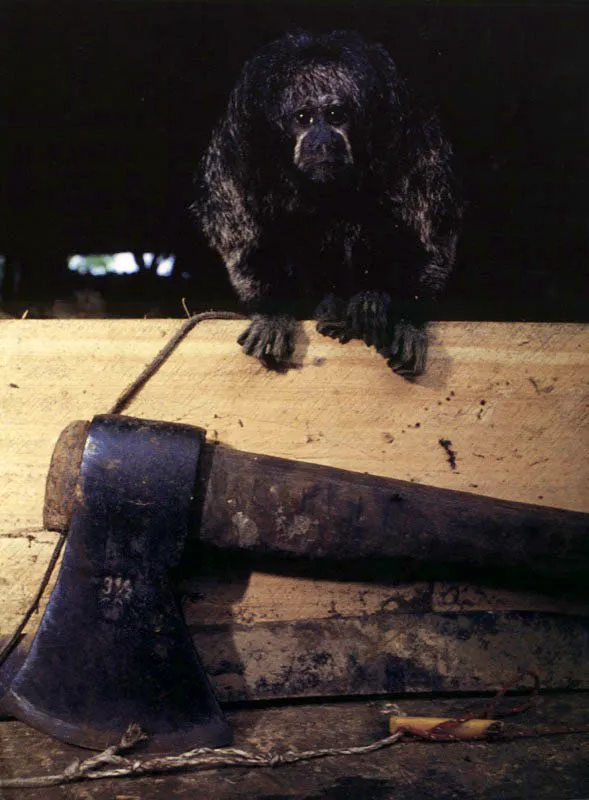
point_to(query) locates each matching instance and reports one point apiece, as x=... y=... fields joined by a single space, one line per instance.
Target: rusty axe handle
x=282 y=507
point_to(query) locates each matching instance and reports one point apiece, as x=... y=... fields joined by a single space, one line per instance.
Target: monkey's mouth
x=329 y=170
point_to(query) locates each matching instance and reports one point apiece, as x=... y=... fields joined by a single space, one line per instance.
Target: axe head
x=112 y=648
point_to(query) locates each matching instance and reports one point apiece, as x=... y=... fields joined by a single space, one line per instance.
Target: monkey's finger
x=243 y=337
x=283 y=344
x=404 y=370
x=343 y=336
x=409 y=367
x=328 y=329
x=252 y=345
x=372 y=335
x=381 y=337
x=249 y=344
x=368 y=317
x=330 y=309
x=335 y=330
x=267 y=340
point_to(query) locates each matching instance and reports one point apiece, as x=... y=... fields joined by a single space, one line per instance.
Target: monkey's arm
x=428 y=204
x=266 y=285
x=254 y=268
x=233 y=220
x=407 y=352
x=258 y=272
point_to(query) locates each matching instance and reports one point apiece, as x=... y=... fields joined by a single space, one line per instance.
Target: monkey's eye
x=304 y=117
x=336 y=115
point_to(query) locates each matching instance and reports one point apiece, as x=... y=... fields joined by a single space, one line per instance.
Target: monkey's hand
x=331 y=318
x=368 y=318
x=271 y=339
x=407 y=353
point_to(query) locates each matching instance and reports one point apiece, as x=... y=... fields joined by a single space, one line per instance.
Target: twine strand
x=110 y=764
x=135 y=387
x=16 y=635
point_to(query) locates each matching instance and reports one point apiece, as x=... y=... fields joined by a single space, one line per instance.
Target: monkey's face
x=320 y=136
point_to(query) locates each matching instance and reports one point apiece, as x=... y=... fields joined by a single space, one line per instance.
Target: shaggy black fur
x=326 y=193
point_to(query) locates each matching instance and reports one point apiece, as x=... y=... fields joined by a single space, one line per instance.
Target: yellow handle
x=422 y=726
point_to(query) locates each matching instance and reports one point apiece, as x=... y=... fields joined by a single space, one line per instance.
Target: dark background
x=106 y=109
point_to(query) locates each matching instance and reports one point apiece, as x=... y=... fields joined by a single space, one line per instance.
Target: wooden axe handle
x=62 y=478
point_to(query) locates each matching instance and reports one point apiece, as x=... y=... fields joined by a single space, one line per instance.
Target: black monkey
x=326 y=193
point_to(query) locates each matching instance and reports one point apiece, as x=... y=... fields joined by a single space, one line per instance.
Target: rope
x=15 y=638
x=134 y=388
x=110 y=764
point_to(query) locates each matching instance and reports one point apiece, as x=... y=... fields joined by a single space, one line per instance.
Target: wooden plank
x=274 y=637
x=543 y=768
x=392 y=653
x=512 y=399
x=233 y=596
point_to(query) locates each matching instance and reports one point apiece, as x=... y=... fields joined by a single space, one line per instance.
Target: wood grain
x=512 y=399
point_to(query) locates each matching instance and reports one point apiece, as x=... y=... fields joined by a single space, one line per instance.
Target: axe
x=112 y=648
x=275 y=506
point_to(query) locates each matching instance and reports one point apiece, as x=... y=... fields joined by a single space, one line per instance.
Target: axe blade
x=112 y=648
